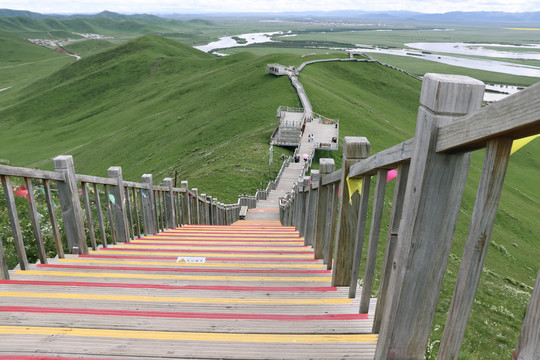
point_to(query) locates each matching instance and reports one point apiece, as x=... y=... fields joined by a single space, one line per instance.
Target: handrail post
x=71 y=205
x=203 y=210
x=169 y=203
x=489 y=192
x=34 y=218
x=311 y=211
x=186 y=204
x=216 y=212
x=52 y=217
x=211 y=210
x=331 y=224
x=374 y=233
x=14 y=222
x=4 y=271
x=88 y=212
x=432 y=201
x=528 y=346
x=391 y=242
x=196 y=211
x=326 y=166
x=148 y=206
x=304 y=200
x=119 y=206
x=354 y=150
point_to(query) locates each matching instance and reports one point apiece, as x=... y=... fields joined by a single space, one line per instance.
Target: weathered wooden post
x=203 y=210
x=354 y=150
x=148 y=206
x=528 y=346
x=391 y=242
x=326 y=166
x=210 y=211
x=432 y=200
x=304 y=205
x=186 y=204
x=119 y=206
x=14 y=222
x=331 y=224
x=169 y=204
x=137 y=221
x=311 y=212
x=196 y=217
x=110 y=214
x=101 y=221
x=52 y=217
x=4 y=271
x=360 y=233
x=482 y=220
x=88 y=213
x=217 y=212
x=374 y=232
x=71 y=205
x=298 y=208
x=131 y=232
x=34 y=219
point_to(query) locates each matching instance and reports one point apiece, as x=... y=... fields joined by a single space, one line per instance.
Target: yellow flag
x=354 y=185
x=519 y=143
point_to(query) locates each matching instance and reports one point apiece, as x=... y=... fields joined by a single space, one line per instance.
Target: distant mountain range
x=456 y=17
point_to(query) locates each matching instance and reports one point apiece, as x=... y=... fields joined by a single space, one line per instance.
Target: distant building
x=277 y=69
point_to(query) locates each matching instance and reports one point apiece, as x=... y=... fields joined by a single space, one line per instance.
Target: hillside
x=22 y=62
x=152 y=105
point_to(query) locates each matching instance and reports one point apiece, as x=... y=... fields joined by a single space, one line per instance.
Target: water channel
x=430 y=51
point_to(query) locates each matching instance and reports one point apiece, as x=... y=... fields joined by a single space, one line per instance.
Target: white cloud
x=141 y=6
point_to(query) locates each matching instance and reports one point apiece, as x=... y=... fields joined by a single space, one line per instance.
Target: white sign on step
x=191 y=259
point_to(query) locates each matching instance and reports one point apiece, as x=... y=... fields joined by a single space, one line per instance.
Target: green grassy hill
x=153 y=105
x=22 y=62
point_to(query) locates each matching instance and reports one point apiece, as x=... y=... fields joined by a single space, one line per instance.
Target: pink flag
x=20 y=191
x=391 y=175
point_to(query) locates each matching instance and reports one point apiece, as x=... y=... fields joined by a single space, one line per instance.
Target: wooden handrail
x=514 y=117
x=332 y=178
x=386 y=159
x=31 y=173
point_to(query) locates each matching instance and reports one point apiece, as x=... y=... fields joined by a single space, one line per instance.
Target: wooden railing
x=121 y=210
x=431 y=173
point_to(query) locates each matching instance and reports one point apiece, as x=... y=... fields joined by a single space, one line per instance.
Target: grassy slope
x=381 y=104
x=153 y=106
x=22 y=62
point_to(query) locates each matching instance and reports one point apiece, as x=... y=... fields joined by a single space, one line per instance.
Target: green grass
x=88 y=47
x=22 y=62
x=153 y=106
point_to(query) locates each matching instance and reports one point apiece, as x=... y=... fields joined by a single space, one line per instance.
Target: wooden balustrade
x=431 y=172
x=133 y=209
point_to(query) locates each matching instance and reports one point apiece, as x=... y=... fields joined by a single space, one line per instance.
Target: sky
x=204 y=6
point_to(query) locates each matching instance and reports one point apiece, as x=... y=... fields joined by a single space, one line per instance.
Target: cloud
x=163 y=6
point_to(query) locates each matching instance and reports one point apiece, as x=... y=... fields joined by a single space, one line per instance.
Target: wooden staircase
x=259 y=295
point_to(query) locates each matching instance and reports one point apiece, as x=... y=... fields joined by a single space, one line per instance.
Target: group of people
x=310 y=138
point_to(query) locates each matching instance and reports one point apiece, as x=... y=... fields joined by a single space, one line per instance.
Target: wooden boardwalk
x=259 y=295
